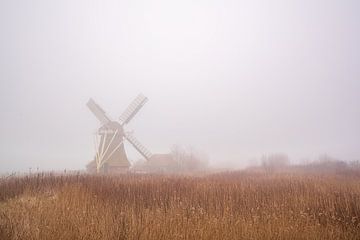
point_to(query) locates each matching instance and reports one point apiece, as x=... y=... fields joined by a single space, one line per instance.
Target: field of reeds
x=233 y=205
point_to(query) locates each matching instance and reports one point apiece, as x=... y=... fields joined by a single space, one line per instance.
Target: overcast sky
x=234 y=79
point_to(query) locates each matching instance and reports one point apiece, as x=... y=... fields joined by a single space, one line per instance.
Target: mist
x=232 y=79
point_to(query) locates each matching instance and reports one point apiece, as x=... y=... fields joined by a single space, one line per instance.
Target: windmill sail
x=132 y=109
x=138 y=146
x=98 y=112
x=109 y=143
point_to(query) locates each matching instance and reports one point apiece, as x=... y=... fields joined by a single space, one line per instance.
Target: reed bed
x=233 y=205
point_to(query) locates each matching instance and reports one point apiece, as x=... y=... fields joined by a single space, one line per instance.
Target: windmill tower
x=109 y=139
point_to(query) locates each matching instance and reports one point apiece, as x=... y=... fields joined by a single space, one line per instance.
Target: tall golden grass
x=235 y=205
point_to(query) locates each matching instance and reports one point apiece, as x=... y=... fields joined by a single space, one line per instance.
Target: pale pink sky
x=234 y=79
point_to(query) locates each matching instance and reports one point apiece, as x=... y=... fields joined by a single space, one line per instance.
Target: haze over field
x=233 y=79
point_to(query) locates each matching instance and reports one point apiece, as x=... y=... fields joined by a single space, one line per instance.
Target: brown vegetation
x=236 y=205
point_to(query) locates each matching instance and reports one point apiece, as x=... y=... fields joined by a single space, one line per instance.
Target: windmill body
x=109 y=139
x=111 y=145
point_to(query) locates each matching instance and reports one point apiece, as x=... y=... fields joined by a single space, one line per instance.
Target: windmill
x=109 y=140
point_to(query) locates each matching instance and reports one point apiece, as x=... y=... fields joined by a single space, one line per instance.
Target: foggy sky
x=233 y=79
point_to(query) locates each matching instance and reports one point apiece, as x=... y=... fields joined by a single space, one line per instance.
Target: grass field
x=234 y=205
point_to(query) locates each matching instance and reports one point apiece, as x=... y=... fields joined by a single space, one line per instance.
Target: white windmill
x=109 y=141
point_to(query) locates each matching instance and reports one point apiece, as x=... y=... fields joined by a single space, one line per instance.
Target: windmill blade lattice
x=98 y=112
x=138 y=146
x=132 y=109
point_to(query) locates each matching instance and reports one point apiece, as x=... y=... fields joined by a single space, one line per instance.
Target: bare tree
x=188 y=159
x=275 y=161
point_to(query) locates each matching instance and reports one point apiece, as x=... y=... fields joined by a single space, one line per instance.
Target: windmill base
x=91 y=168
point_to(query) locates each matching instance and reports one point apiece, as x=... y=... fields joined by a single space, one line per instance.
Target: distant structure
x=158 y=163
x=109 y=141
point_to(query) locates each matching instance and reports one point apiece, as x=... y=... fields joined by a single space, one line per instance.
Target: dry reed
x=236 y=205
